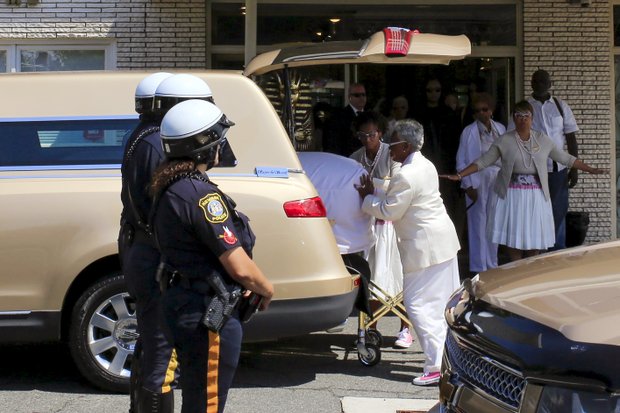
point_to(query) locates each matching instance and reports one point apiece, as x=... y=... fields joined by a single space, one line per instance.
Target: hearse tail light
x=305 y=208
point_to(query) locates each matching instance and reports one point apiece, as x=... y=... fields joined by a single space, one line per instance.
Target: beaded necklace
x=368 y=165
x=529 y=146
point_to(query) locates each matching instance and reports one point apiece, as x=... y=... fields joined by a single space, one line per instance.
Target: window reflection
x=483 y=24
x=228 y=23
x=223 y=61
x=61 y=60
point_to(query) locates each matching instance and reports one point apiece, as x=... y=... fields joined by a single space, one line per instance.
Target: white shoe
x=404 y=339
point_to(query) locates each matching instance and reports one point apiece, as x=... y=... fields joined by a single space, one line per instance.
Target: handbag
x=576 y=227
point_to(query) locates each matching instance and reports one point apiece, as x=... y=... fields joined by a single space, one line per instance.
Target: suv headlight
x=560 y=400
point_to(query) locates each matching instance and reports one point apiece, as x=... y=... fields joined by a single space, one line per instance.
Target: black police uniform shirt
x=137 y=171
x=194 y=226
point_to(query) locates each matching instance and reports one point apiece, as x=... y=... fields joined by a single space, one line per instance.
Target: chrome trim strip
x=83 y=176
x=95 y=167
x=36 y=168
x=69 y=118
x=333 y=55
x=14 y=313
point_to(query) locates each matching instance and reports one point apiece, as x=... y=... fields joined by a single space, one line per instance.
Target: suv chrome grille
x=489 y=377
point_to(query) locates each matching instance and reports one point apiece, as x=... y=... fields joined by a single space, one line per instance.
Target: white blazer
x=426 y=235
x=470 y=149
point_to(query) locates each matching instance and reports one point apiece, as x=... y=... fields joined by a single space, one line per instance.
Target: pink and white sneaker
x=404 y=339
x=427 y=379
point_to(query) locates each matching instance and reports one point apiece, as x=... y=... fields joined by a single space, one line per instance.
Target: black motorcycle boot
x=151 y=402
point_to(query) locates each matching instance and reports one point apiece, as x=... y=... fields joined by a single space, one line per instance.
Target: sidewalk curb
x=383 y=405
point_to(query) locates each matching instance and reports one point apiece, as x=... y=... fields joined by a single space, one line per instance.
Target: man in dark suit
x=338 y=137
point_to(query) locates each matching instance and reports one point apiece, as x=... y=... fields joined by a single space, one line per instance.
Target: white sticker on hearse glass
x=271 y=172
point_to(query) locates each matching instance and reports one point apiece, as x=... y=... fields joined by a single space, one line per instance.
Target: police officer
x=202 y=239
x=145 y=103
x=154 y=359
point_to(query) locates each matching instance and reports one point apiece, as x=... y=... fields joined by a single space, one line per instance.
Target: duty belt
x=169 y=279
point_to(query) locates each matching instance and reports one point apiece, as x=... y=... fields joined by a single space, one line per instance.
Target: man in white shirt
x=555 y=118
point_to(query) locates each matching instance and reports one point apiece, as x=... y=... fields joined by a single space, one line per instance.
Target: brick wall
x=148 y=34
x=569 y=41
x=572 y=43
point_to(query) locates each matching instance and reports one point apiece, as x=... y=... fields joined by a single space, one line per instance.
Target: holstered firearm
x=220 y=307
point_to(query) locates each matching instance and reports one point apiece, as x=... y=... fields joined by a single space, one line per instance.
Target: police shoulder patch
x=214 y=208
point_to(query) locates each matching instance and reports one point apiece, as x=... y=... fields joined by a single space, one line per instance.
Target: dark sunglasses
x=433 y=90
x=358 y=95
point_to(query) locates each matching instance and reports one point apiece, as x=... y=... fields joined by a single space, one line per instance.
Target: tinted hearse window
x=63 y=142
x=72 y=142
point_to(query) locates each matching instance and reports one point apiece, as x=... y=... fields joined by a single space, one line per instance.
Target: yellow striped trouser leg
x=213 y=372
x=170 y=370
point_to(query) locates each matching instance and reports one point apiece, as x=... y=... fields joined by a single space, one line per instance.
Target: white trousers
x=482 y=251
x=426 y=293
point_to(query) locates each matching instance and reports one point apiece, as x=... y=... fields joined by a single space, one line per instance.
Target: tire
x=373 y=358
x=374 y=337
x=103 y=334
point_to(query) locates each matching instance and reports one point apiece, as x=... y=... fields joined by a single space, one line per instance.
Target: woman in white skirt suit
x=427 y=240
x=383 y=257
x=520 y=216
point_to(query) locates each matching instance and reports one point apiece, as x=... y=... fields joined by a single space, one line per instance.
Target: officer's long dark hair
x=168 y=171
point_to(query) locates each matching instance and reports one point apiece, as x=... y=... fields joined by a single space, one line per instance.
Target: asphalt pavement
x=322 y=373
x=319 y=372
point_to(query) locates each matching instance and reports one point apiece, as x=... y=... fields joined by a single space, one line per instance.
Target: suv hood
x=423 y=48
x=574 y=291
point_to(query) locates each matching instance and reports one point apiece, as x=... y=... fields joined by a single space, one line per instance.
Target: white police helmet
x=145 y=91
x=194 y=129
x=178 y=88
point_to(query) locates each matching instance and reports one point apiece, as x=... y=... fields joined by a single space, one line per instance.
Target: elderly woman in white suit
x=476 y=139
x=427 y=240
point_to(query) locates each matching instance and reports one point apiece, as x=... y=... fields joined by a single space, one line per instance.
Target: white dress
x=383 y=258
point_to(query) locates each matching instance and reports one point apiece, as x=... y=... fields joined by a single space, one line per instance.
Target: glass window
x=224 y=61
x=73 y=142
x=64 y=142
x=228 y=23
x=3 y=61
x=61 y=60
x=484 y=24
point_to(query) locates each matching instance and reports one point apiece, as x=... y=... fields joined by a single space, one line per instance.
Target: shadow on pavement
x=298 y=360
x=283 y=363
x=44 y=367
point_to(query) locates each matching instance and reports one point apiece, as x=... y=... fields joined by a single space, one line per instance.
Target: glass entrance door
x=459 y=81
